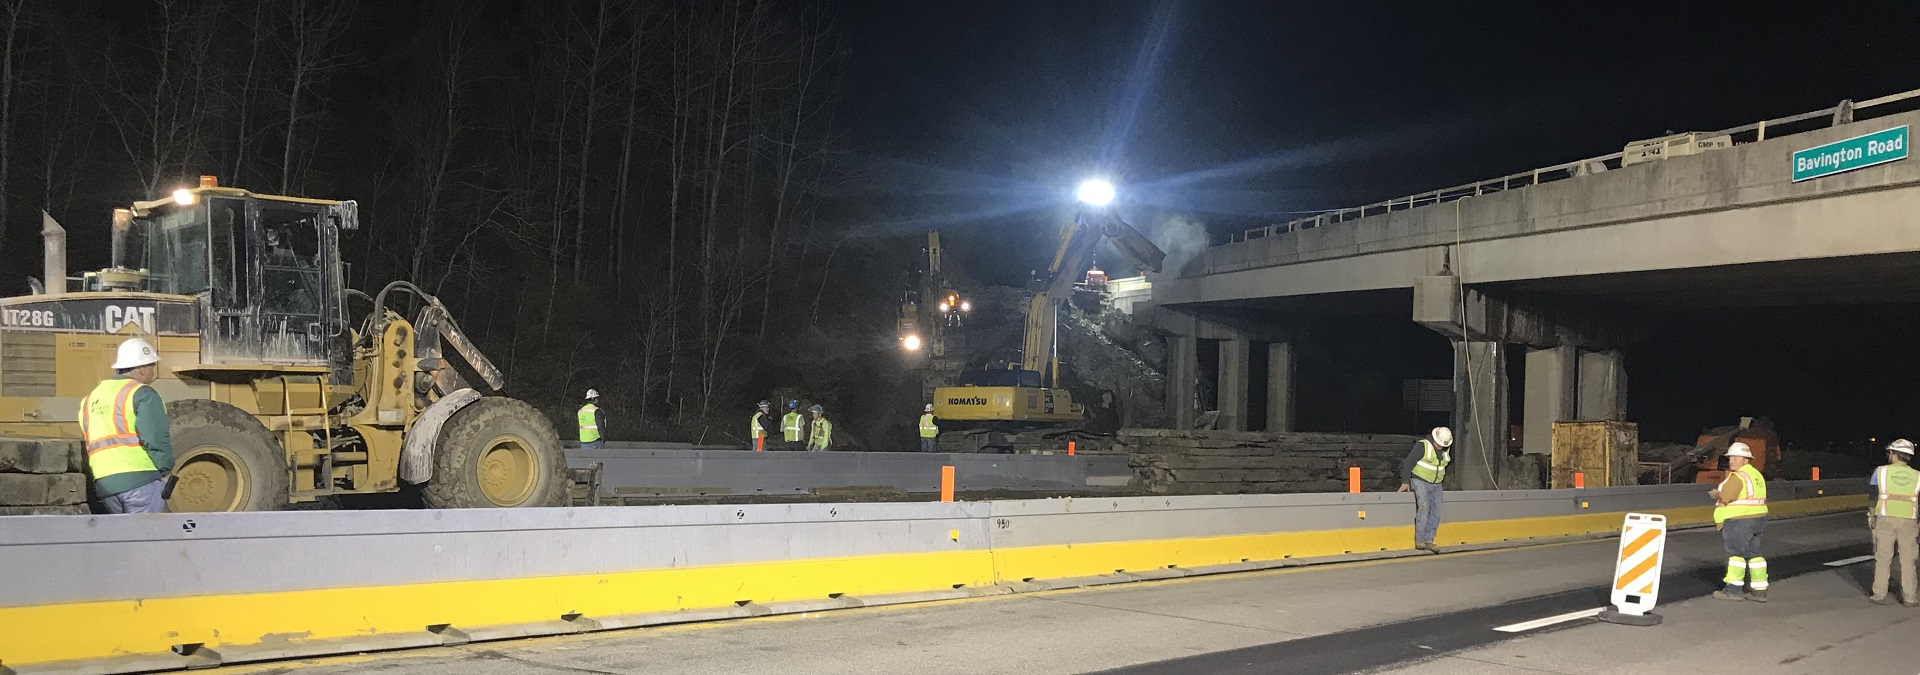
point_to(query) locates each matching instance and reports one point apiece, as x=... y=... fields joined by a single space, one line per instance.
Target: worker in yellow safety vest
x=590 y=420
x=822 y=436
x=929 y=432
x=792 y=426
x=1740 y=511
x=1893 y=522
x=1421 y=473
x=757 y=427
x=129 y=445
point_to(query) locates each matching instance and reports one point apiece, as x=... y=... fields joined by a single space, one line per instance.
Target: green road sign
x=1858 y=152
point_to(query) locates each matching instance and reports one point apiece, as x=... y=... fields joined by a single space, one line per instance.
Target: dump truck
x=277 y=393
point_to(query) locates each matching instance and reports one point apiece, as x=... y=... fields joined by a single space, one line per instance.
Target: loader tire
x=224 y=460
x=497 y=453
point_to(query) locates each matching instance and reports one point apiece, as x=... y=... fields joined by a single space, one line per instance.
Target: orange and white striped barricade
x=1636 y=571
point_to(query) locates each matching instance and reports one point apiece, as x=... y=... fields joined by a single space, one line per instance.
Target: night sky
x=1243 y=112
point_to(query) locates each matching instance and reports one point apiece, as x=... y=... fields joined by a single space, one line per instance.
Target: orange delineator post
x=1353 y=479
x=946 y=483
x=1816 y=473
x=1069 y=448
x=1579 y=480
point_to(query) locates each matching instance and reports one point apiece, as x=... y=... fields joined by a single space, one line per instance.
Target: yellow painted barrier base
x=307 y=622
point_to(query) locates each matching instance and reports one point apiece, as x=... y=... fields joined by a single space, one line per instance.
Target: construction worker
x=590 y=420
x=1740 y=511
x=758 y=427
x=929 y=432
x=1892 y=520
x=791 y=426
x=129 y=447
x=1421 y=473
x=822 y=435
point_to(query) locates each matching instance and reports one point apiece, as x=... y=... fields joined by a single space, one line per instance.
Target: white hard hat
x=1739 y=449
x=1443 y=436
x=134 y=353
x=1901 y=445
x=593 y=393
x=930 y=409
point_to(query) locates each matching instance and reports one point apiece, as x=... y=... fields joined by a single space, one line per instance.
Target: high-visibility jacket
x=790 y=427
x=822 y=435
x=927 y=428
x=1433 y=463
x=589 y=423
x=756 y=429
x=112 y=429
x=1899 y=487
x=1753 y=496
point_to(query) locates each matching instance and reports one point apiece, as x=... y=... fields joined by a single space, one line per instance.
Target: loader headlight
x=911 y=342
x=183 y=197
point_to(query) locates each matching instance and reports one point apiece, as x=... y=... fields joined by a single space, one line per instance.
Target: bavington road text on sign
x=1858 y=152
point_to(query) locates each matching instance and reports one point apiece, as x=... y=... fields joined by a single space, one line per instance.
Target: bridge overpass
x=1560 y=263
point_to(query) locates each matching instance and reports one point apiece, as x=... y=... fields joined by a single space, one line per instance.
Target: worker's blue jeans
x=928 y=444
x=1426 y=510
x=592 y=445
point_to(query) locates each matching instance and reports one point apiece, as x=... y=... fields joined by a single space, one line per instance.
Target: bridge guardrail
x=1840 y=113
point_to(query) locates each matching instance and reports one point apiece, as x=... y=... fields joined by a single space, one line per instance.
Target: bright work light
x=1096 y=192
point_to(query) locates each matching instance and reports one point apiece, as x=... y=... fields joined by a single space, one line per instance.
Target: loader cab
x=266 y=270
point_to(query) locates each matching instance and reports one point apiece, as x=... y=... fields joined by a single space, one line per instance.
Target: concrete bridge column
x=1281 y=372
x=1603 y=386
x=1183 y=375
x=1232 y=385
x=1479 y=414
x=1552 y=375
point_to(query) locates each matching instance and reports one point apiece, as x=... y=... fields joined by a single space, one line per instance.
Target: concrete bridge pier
x=1211 y=365
x=1572 y=371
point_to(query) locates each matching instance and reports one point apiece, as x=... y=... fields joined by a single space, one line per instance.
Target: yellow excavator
x=991 y=404
x=275 y=394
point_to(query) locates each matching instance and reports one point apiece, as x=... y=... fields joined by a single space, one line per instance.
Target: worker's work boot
x=1757 y=596
x=1910 y=603
x=1729 y=593
x=1880 y=600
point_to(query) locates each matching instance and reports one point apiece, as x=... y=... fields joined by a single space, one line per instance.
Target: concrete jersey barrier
x=131 y=593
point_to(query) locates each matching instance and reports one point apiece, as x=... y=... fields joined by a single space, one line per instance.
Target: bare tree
x=158 y=113
x=312 y=52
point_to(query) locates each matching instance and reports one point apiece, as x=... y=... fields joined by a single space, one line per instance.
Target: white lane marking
x=1850 y=561
x=1542 y=623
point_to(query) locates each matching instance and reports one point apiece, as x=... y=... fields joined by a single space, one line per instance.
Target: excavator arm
x=1078 y=241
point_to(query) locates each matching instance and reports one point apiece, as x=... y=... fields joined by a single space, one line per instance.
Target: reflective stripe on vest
x=1753 y=498
x=111 y=427
x=1432 y=466
x=589 y=425
x=754 y=429
x=790 y=426
x=1899 y=487
x=927 y=428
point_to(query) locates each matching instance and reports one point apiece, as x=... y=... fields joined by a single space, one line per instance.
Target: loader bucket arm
x=435 y=319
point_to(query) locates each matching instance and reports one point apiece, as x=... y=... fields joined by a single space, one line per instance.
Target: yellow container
x=1606 y=453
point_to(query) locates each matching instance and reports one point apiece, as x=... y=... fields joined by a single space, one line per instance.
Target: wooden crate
x=1607 y=452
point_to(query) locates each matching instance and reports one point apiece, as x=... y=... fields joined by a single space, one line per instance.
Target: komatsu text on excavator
x=275 y=392
x=1029 y=395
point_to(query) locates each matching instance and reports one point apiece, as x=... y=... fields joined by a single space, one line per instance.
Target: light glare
x=913 y=343
x=183 y=197
x=1096 y=192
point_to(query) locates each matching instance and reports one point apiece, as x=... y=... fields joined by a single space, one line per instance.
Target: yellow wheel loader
x=275 y=393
